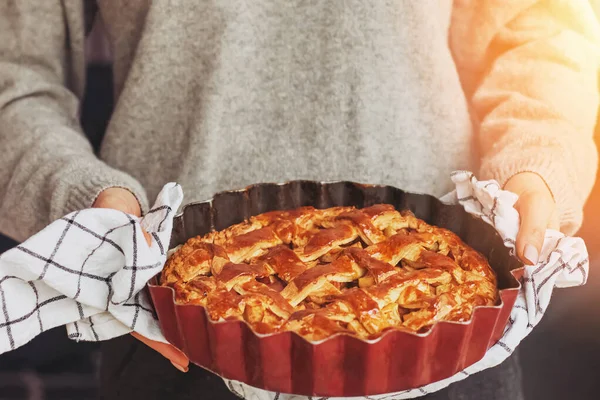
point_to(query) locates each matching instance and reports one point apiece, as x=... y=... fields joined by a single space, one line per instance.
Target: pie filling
x=337 y=270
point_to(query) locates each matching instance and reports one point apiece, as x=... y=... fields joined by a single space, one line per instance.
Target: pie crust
x=319 y=272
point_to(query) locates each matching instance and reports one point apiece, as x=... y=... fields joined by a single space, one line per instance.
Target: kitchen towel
x=87 y=270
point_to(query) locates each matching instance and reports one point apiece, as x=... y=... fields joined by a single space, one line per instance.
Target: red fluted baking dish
x=341 y=365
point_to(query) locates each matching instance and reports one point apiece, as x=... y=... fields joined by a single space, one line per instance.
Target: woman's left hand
x=537 y=209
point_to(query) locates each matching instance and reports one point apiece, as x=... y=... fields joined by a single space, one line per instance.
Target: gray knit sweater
x=221 y=94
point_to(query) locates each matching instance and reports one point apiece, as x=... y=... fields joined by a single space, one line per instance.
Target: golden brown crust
x=342 y=269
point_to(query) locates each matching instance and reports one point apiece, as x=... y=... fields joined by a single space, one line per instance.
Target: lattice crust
x=320 y=272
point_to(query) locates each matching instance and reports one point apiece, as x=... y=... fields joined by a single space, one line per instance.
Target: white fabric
x=88 y=271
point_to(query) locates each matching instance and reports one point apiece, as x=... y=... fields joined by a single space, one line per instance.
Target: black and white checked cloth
x=87 y=271
x=563 y=263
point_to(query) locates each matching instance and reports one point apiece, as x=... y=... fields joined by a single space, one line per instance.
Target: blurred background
x=560 y=359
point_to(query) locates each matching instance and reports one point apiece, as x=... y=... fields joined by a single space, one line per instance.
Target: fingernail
x=179 y=367
x=531 y=254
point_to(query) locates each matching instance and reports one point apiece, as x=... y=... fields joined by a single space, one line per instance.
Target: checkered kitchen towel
x=88 y=271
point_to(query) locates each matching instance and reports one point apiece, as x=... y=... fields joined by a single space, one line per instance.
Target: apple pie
x=319 y=272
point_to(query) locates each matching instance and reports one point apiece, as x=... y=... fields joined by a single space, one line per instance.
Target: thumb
x=536 y=211
x=148 y=237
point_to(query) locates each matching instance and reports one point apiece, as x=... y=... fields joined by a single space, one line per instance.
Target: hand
x=537 y=209
x=123 y=200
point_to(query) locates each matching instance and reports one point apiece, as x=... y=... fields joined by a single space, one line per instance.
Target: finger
x=177 y=358
x=536 y=211
x=148 y=237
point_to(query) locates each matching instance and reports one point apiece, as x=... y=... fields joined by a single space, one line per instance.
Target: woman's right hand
x=123 y=200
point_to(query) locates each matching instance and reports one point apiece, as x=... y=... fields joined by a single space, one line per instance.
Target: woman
x=218 y=95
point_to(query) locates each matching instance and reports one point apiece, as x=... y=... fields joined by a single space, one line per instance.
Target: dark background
x=560 y=359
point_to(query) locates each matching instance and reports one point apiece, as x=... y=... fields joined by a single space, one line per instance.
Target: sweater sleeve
x=47 y=166
x=530 y=71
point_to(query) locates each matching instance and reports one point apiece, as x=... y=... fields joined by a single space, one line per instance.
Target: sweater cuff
x=79 y=189
x=552 y=170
